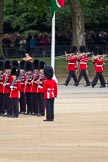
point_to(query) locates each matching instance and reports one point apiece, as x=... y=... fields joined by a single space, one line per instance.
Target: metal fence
x=45 y=51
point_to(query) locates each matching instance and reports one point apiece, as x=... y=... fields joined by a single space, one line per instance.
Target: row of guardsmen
x=22 y=85
x=79 y=62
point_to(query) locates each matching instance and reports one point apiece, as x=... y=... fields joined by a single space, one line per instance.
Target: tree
x=1 y=27
x=78 y=29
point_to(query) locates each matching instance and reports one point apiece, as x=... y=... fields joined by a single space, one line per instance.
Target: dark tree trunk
x=1 y=28
x=78 y=30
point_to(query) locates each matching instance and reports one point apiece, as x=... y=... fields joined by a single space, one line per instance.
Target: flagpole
x=53 y=46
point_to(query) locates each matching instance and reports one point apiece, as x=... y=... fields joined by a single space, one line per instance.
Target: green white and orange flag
x=55 y=4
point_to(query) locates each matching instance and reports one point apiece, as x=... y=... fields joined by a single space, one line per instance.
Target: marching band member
x=34 y=94
x=14 y=93
x=98 y=62
x=22 y=79
x=83 y=59
x=50 y=92
x=6 y=88
x=71 y=66
x=28 y=83
x=40 y=81
x=1 y=88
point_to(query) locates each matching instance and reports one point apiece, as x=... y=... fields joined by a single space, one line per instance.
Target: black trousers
x=22 y=102
x=15 y=106
x=100 y=77
x=83 y=73
x=28 y=102
x=41 y=104
x=49 y=109
x=7 y=104
x=1 y=104
x=35 y=102
x=71 y=74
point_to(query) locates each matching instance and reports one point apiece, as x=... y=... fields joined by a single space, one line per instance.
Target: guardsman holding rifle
x=98 y=62
x=6 y=88
x=22 y=79
x=71 y=59
x=34 y=94
x=83 y=59
x=28 y=84
x=15 y=93
x=1 y=88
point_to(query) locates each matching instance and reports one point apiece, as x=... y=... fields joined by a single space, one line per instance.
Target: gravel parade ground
x=78 y=134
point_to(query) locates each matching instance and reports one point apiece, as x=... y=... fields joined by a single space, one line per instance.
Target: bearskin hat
x=36 y=64
x=14 y=71
x=7 y=64
x=28 y=66
x=15 y=63
x=48 y=72
x=74 y=49
x=1 y=65
x=22 y=64
x=83 y=49
x=42 y=64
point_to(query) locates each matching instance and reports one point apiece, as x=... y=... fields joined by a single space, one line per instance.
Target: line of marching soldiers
x=22 y=84
x=81 y=60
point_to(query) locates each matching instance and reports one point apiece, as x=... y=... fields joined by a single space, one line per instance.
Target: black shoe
x=46 y=120
x=65 y=84
x=102 y=86
x=87 y=85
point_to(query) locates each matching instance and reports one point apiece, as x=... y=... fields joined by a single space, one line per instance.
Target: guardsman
x=15 y=93
x=22 y=79
x=40 y=81
x=1 y=88
x=83 y=59
x=71 y=59
x=98 y=62
x=28 y=84
x=34 y=94
x=50 y=92
x=6 y=88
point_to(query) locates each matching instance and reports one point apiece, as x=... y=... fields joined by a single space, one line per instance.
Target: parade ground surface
x=78 y=134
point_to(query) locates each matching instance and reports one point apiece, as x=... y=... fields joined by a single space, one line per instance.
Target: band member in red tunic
x=14 y=93
x=1 y=88
x=34 y=94
x=22 y=79
x=50 y=92
x=71 y=59
x=28 y=84
x=98 y=62
x=6 y=88
x=83 y=59
x=40 y=81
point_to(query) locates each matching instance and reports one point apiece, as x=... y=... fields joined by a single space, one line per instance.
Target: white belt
x=99 y=65
x=71 y=63
x=83 y=63
x=49 y=89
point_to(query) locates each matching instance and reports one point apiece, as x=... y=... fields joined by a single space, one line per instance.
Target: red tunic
x=15 y=89
x=83 y=62
x=7 y=82
x=1 y=82
x=22 y=79
x=98 y=65
x=72 y=63
x=50 y=89
x=28 y=83
x=41 y=80
x=34 y=85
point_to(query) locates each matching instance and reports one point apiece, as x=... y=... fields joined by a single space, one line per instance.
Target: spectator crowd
x=19 y=44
